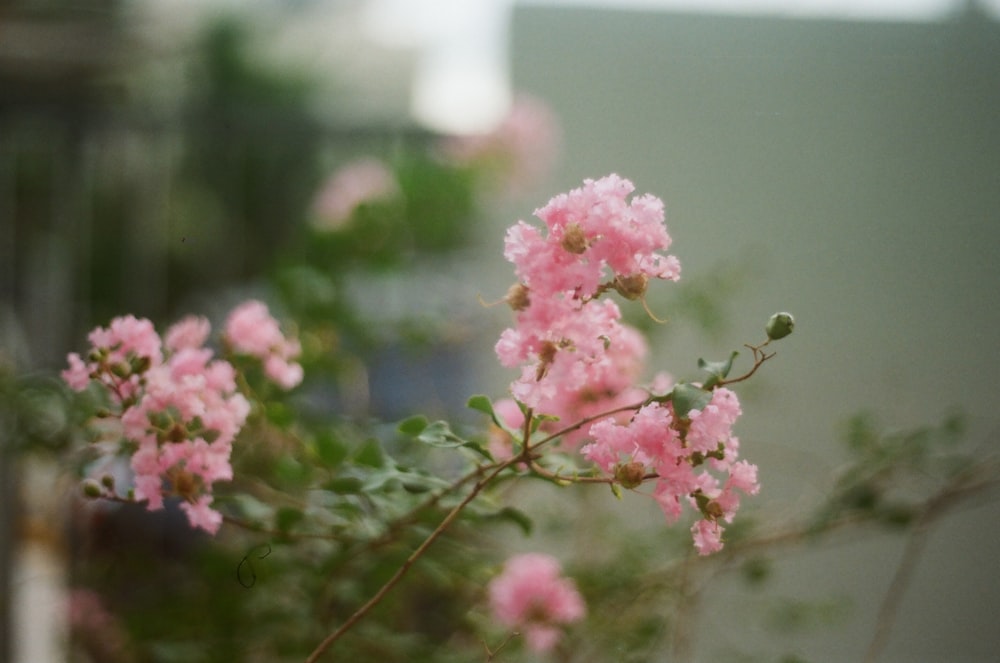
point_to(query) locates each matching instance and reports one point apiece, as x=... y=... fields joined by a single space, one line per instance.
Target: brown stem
x=361 y=612
x=558 y=478
x=933 y=509
x=586 y=420
x=759 y=357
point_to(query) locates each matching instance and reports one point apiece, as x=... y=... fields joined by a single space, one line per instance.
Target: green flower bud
x=779 y=325
x=91 y=489
x=140 y=364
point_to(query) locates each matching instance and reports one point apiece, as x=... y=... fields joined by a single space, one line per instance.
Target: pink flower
x=576 y=357
x=251 y=330
x=689 y=459
x=532 y=595
x=593 y=233
x=77 y=376
x=127 y=337
x=713 y=425
x=120 y=353
x=94 y=628
x=707 y=537
x=200 y=514
x=181 y=411
x=187 y=401
x=191 y=332
x=354 y=184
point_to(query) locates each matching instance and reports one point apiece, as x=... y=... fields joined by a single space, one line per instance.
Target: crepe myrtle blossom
x=571 y=346
x=532 y=596
x=118 y=356
x=251 y=330
x=178 y=407
x=593 y=235
x=693 y=460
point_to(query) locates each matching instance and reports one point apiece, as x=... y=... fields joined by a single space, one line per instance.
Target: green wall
x=851 y=174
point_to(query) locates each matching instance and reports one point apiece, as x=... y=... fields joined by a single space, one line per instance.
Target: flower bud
x=517 y=297
x=140 y=364
x=630 y=475
x=631 y=287
x=713 y=510
x=91 y=488
x=574 y=240
x=779 y=325
x=177 y=433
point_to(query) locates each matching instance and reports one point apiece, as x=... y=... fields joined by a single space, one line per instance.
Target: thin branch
x=934 y=508
x=361 y=612
x=251 y=526
x=491 y=654
x=759 y=357
x=586 y=420
x=560 y=479
x=410 y=516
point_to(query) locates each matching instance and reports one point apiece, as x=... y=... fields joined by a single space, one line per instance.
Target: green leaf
x=289 y=470
x=343 y=485
x=438 y=434
x=518 y=517
x=286 y=517
x=330 y=450
x=370 y=454
x=482 y=404
x=378 y=481
x=280 y=414
x=414 y=425
x=687 y=397
x=717 y=370
x=538 y=419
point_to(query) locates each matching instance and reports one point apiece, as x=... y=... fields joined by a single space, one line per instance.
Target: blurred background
x=839 y=160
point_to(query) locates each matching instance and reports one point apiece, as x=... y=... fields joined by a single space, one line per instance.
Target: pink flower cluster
x=251 y=330
x=532 y=595
x=681 y=453
x=576 y=356
x=178 y=407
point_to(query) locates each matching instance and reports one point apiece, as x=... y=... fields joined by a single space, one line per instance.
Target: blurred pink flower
x=190 y=332
x=94 y=628
x=362 y=181
x=531 y=594
x=251 y=330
